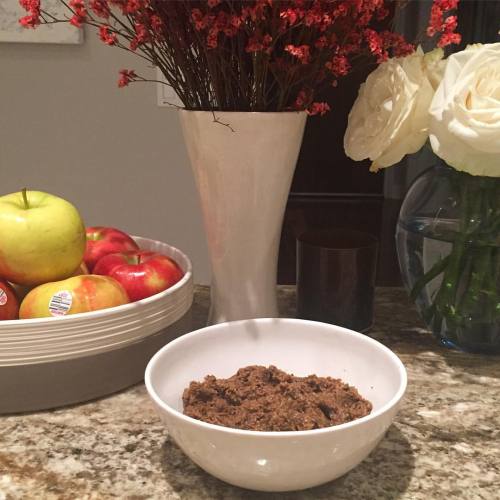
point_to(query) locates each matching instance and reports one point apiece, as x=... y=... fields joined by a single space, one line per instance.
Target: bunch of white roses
x=455 y=102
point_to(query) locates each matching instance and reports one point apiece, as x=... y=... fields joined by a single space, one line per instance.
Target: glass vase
x=448 y=240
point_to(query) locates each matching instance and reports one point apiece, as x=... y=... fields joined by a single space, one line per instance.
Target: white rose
x=390 y=117
x=465 y=111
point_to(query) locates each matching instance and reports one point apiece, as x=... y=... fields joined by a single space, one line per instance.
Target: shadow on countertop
x=386 y=473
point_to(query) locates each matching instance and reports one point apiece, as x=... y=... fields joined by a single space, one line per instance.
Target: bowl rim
x=275 y=434
x=188 y=275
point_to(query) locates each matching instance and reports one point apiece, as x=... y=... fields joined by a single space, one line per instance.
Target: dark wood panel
x=323 y=166
x=478 y=22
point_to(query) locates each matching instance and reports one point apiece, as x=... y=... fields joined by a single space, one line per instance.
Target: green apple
x=42 y=238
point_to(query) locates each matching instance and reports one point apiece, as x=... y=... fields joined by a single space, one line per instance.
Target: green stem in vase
x=426 y=278
x=492 y=279
x=482 y=265
x=446 y=298
x=495 y=284
x=480 y=268
x=469 y=297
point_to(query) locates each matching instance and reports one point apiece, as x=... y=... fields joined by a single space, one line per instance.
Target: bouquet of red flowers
x=248 y=55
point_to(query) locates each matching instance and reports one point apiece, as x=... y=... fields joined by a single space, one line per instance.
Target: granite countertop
x=445 y=442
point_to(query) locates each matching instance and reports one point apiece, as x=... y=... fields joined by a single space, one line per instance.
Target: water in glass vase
x=450 y=259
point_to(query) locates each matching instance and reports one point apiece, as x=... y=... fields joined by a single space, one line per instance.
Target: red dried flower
x=400 y=47
x=79 y=7
x=33 y=19
x=339 y=66
x=302 y=100
x=126 y=76
x=156 y=23
x=213 y=38
x=30 y=5
x=449 y=38
x=447 y=4
x=295 y=44
x=318 y=108
x=376 y=44
x=134 y=6
x=30 y=21
x=108 y=37
x=257 y=43
x=302 y=52
x=435 y=21
x=100 y=8
x=80 y=13
x=438 y=23
x=290 y=16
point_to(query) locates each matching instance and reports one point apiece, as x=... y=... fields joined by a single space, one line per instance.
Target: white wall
x=67 y=129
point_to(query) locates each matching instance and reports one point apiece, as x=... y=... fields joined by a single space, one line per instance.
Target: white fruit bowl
x=50 y=348
x=277 y=461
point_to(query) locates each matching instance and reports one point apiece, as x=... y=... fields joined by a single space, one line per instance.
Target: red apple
x=102 y=241
x=9 y=305
x=141 y=273
x=74 y=295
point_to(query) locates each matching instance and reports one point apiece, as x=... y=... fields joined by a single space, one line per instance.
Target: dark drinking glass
x=336 y=277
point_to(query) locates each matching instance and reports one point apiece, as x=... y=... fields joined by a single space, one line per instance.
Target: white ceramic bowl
x=55 y=339
x=277 y=461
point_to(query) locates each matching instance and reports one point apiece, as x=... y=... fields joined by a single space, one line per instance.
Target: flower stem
x=435 y=271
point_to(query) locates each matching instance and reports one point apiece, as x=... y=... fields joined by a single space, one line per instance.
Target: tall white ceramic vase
x=243 y=164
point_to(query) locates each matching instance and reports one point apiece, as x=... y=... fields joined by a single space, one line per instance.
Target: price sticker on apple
x=3 y=297
x=60 y=303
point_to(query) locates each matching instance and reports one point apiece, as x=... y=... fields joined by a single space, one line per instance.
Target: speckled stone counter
x=445 y=442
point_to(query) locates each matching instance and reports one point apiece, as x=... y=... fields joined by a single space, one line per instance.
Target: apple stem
x=25 y=198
